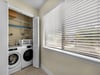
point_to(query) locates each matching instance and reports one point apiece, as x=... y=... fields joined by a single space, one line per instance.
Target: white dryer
x=14 y=59
x=26 y=55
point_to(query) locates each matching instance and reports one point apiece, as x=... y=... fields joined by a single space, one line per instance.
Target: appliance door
x=36 y=42
x=28 y=55
x=13 y=60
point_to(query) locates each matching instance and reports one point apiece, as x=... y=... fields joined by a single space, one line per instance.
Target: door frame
x=4 y=37
x=36 y=57
x=36 y=42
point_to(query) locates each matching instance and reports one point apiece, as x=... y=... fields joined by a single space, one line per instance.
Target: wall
x=49 y=5
x=57 y=63
x=16 y=27
x=23 y=6
x=3 y=38
x=61 y=64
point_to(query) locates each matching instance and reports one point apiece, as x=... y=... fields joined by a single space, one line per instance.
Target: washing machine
x=14 y=59
x=26 y=55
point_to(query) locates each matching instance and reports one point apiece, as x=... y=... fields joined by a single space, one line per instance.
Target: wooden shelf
x=17 y=26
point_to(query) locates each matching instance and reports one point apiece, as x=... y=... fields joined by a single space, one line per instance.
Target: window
x=53 y=32
x=77 y=29
x=82 y=27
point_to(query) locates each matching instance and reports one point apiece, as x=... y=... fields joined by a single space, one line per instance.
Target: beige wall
x=49 y=5
x=62 y=64
x=23 y=6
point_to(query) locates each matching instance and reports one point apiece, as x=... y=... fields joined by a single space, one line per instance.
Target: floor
x=30 y=71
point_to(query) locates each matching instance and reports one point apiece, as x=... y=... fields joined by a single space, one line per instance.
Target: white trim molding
x=46 y=70
x=36 y=42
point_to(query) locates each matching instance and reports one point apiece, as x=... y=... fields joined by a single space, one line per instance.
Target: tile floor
x=30 y=71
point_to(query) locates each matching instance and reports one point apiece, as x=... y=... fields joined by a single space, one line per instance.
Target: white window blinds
x=74 y=26
x=52 y=24
x=82 y=27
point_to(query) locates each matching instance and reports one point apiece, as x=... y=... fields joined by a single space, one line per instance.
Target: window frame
x=66 y=52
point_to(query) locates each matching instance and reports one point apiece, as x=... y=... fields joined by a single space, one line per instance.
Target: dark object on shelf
x=22 y=34
x=10 y=34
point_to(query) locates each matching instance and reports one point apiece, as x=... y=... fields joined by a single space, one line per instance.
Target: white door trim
x=3 y=37
x=36 y=42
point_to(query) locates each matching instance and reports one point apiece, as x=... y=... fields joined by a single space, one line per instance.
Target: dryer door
x=28 y=55
x=13 y=59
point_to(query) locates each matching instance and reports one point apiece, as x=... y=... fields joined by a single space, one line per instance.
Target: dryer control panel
x=29 y=46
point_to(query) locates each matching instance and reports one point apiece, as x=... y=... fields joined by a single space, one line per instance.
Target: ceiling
x=35 y=3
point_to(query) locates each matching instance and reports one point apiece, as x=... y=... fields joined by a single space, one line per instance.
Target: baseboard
x=46 y=70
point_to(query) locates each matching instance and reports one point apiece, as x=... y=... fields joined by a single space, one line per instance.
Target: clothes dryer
x=26 y=55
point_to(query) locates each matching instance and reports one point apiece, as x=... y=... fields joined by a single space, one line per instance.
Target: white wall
x=49 y=5
x=3 y=38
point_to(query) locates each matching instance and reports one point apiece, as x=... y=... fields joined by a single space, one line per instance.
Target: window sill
x=74 y=54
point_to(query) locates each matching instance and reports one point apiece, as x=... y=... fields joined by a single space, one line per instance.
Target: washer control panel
x=13 y=49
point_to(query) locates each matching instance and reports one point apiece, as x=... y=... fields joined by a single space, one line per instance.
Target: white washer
x=14 y=59
x=26 y=55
